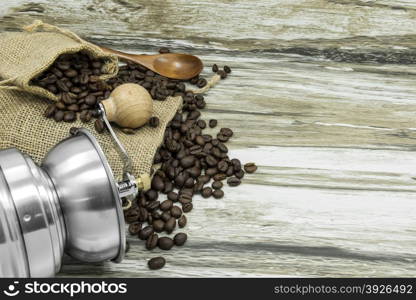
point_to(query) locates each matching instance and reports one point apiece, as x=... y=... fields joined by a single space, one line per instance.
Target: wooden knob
x=129 y=105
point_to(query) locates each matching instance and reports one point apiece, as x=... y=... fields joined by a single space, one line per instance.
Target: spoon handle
x=119 y=53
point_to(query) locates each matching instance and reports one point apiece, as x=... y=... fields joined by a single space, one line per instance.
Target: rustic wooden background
x=322 y=97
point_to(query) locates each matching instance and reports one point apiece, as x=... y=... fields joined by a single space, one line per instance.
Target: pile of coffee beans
x=191 y=162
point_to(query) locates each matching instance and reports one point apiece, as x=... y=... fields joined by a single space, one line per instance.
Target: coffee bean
x=143 y=214
x=151 y=242
x=73 y=107
x=180 y=239
x=165 y=243
x=217 y=185
x=188 y=161
x=226 y=132
x=211 y=171
x=154 y=122
x=151 y=195
x=135 y=227
x=219 y=177
x=145 y=232
x=182 y=221
x=187 y=207
x=211 y=161
x=170 y=225
x=233 y=181
x=215 y=68
x=218 y=194
x=99 y=125
x=227 y=69
x=176 y=212
x=71 y=73
x=250 y=167
x=153 y=205
x=239 y=174
x=156 y=263
x=166 y=205
x=173 y=196
x=185 y=198
x=168 y=187
x=157 y=183
x=222 y=166
x=222 y=138
x=165 y=216
x=158 y=225
x=69 y=116
x=206 y=192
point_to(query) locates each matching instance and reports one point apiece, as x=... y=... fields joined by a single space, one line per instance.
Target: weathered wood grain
x=322 y=97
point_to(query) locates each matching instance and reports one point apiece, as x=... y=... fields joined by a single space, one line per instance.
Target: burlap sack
x=22 y=124
x=24 y=55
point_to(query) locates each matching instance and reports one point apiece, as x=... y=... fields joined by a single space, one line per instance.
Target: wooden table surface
x=322 y=98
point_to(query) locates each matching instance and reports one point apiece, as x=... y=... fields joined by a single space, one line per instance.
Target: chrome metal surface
x=35 y=206
x=89 y=199
x=13 y=262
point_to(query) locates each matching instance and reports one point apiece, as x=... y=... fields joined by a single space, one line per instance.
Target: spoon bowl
x=172 y=65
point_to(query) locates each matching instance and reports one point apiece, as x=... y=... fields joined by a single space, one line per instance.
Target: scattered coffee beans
x=250 y=167
x=180 y=239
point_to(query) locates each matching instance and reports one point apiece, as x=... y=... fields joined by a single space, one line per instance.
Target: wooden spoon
x=171 y=65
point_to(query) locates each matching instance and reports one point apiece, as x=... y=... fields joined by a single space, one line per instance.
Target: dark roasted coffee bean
x=222 y=138
x=143 y=214
x=236 y=164
x=182 y=221
x=157 y=183
x=50 y=111
x=176 y=212
x=206 y=192
x=132 y=216
x=187 y=207
x=153 y=205
x=230 y=171
x=181 y=179
x=173 y=196
x=99 y=125
x=71 y=73
x=201 y=82
x=73 y=107
x=218 y=194
x=226 y=132
x=166 y=205
x=146 y=232
x=151 y=195
x=165 y=243
x=233 y=181
x=200 y=140
x=204 y=178
x=222 y=166
x=227 y=69
x=188 y=161
x=134 y=228
x=63 y=65
x=194 y=171
x=211 y=171
x=85 y=116
x=239 y=174
x=170 y=225
x=158 y=225
x=165 y=216
x=69 y=116
x=219 y=177
x=211 y=161
x=193 y=115
x=215 y=68
x=156 y=215
x=156 y=263
x=217 y=185
x=180 y=239
x=185 y=198
x=151 y=242
x=154 y=122
x=168 y=187
x=90 y=100
x=250 y=167
x=62 y=86
x=222 y=74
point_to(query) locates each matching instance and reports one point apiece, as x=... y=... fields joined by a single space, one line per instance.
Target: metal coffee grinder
x=71 y=204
